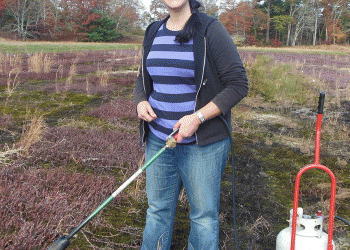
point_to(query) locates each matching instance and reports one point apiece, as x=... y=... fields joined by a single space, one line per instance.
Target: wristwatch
x=201 y=117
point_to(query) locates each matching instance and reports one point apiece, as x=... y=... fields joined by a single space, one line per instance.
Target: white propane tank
x=308 y=236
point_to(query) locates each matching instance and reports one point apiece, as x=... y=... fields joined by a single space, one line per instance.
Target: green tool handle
x=124 y=185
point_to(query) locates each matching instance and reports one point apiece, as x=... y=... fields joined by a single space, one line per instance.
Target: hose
x=343 y=220
x=233 y=181
x=339 y=218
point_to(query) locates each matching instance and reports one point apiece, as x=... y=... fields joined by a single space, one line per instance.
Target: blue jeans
x=200 y=170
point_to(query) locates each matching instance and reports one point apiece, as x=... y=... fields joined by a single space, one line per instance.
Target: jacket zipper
x=144 y=88
x=195 y=103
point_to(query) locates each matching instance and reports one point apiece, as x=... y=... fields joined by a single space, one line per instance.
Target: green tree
x=103 y=30
x=281 y=23
x=272 y=8
x=346 y=22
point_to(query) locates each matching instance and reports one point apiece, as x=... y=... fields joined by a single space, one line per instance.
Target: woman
x=191 y=74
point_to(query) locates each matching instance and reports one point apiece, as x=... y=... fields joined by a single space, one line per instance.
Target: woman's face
x=175 y=4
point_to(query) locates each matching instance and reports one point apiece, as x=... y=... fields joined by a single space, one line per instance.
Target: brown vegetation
x=59 y=163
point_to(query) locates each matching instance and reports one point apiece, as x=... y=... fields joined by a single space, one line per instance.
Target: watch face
x=201 y=117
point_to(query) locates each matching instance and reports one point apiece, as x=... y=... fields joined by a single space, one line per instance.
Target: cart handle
x=331 y=205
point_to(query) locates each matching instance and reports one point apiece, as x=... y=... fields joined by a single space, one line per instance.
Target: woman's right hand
x=145 y=111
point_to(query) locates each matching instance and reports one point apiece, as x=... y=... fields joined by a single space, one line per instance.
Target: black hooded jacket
x=219 y=77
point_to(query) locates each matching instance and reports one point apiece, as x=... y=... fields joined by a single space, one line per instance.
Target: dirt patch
x=271 y=146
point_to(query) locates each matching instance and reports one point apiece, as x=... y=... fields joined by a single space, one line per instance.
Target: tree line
x=289 y=22
x=73 y=20
x=254 y=22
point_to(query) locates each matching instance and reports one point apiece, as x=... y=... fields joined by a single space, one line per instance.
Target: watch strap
x=201 y=117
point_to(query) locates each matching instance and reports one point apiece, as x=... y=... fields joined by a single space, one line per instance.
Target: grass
x=323 y=50
x=38 y=63
x=31 y=131
x=57 y=47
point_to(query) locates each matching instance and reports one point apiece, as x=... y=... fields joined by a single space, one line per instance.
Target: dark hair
x=192 y=24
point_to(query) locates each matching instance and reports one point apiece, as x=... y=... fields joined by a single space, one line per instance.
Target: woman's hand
x=188 y=126
x=145 y=111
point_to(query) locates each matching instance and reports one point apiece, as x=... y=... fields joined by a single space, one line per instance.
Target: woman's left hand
x=188 y=126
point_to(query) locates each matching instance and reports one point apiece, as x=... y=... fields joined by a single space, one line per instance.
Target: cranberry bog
x=69 y=138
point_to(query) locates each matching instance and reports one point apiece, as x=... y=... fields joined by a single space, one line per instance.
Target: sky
x=146 y=3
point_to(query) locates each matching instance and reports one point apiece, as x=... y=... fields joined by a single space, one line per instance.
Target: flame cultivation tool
x=305 y=231
x=319 y=166
x=63 y=242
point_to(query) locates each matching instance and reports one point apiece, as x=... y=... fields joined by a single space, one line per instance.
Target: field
x=69 y=138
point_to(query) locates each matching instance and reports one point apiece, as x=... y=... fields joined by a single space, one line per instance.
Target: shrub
x=276 y=42
x=117 y=109
x=38 y=205
x=276 y=82
x=87 y=149
x=251 y=40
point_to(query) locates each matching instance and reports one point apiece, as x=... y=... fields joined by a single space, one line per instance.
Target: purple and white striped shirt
x=171 y=67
